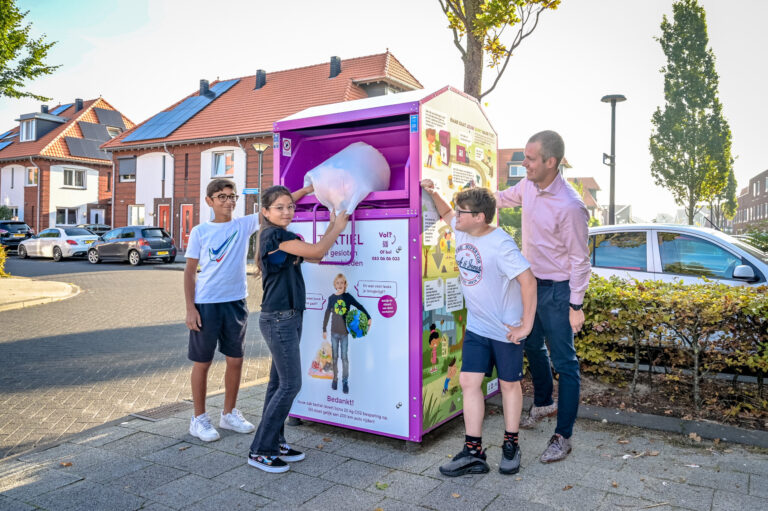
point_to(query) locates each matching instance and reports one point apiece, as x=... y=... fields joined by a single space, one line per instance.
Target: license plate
x=162 y=252
x=19 y=235
x=88 y=242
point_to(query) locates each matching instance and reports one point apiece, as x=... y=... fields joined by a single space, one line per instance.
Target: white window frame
x=75 y=173
x=27 y=131
x=14 y=212
x=113 y=132
x=35 y=172
x=214 y=156
x=140 y=214
x=67 y=212
x=513 y=167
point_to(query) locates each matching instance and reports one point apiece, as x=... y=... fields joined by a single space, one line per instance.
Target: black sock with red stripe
x=473 y=443
x=510 y=437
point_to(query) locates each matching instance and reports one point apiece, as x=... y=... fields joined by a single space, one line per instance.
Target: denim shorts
x=479 y=355
x=223 y=324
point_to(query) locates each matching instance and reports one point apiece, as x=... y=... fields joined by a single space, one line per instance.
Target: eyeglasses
x=460 y=211
x=224 y=198
x=282 y=209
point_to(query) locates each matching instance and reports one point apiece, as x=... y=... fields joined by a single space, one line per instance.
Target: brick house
x=511 y=170
x=52 y=171
x=753 y=204
x=163 y=165
x=589 y=189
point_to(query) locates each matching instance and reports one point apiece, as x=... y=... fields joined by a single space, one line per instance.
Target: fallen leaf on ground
x=382 y=486
x=622 y=441
x=184 y=448
x=327 y=439
x=615 y=484
x=667 y=412
x=567 y=487
x=66 y=463
x=728 y=451
x=518 y=478
x=455 y=495
x=694 y=437
x=716 y=441
x=319 y=446
x=653 y=453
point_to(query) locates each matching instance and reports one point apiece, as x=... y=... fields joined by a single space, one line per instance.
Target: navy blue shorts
x=479 y=355
x=223 y=324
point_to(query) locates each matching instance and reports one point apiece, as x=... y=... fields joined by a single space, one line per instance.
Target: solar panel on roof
x=60 y=108
x=165 y=123
x=110 y=117
x=6 y=134
x=3 y=145
x=85 y=148
x=94 y=131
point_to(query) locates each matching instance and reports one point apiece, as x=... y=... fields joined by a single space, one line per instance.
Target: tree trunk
x=473 y=59
x=636 y=368
x=696 y=377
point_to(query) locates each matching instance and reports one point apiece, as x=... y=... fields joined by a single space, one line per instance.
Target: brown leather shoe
x=558 y=449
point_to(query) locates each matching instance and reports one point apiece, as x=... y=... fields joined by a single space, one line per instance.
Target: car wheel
x=169 y=260
x=134 y=258
x=93 y=256
x=57 y=254
x=21 y=252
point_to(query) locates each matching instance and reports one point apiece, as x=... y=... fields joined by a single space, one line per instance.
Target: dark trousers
x=552 y=324
x=281 y=331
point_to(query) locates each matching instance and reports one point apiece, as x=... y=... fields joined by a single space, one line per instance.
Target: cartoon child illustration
x=431 y=135
x=338 y=307
x=452 y=368
x=434 y=342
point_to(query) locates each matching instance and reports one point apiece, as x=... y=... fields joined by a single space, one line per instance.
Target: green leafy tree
x=723 y=205
x=691 y=140
x=492 y=27
x=21 y=57
x=5 y=213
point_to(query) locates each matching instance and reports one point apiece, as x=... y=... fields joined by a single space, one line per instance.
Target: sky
x=143 y=56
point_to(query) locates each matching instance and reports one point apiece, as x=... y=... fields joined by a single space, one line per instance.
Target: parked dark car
x=135 y=244
x=97 y=229
x=13 y=232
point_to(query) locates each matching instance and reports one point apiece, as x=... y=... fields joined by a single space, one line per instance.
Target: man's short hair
x=218 y=184
x=552 y=145
x=479 y=200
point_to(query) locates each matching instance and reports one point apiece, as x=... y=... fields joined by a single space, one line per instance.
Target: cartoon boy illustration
x=452 y=368
x=431 y=135
x=434 y=342
x=338 y=306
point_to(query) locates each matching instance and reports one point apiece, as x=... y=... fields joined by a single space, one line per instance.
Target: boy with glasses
x=500 y=294
x=217 y=313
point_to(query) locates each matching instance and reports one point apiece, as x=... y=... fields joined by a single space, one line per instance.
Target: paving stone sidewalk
x=138 y=464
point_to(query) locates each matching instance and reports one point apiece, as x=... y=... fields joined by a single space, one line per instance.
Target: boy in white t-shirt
x=217 y=312
x=500 y=293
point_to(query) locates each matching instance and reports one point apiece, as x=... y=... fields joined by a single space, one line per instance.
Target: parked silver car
x=135 y=244
x=675 y=252
x=57 y=243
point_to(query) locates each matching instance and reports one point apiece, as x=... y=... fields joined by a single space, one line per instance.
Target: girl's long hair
x=269 y=196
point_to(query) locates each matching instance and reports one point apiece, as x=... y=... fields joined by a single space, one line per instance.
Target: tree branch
x=450 y=5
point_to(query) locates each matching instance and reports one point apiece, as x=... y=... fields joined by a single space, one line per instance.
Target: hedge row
x=707 y=327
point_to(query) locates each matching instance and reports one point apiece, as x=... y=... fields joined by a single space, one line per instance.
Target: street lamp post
x=260 y=148
x=611 y=158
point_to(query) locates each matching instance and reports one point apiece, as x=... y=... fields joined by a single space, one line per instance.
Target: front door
x=97 y=216
x=186 y=224
x=164 y=216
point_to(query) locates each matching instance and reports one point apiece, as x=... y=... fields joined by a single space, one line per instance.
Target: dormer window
x=27 y=133
x=113 y=132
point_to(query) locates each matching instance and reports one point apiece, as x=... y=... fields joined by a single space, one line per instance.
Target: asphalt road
x=118 y=347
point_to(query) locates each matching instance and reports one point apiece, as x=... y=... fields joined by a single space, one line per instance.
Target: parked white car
x=675 y=252
x=58 y=243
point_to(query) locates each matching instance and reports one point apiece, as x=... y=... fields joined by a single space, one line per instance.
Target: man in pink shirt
x=555 y=233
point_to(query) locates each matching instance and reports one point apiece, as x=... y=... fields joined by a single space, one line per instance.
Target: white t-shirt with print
x=222 y=249
x=488 y=266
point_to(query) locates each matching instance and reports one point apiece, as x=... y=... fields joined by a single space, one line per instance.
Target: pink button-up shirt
x=555 y=231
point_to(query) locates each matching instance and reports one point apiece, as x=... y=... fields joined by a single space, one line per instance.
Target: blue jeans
x=553 y=324
x=340 y=340
x=281 y=331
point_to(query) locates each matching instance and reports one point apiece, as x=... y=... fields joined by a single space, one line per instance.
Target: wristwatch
x=576 y=307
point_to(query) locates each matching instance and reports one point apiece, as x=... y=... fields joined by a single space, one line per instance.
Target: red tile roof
x=242 y=110
x=588 y=183
x=53 y=144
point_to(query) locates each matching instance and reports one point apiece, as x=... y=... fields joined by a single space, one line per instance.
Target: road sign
x=250 y=191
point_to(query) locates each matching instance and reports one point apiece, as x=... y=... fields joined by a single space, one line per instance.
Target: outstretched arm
x=301 y=192
x=317 y=251
x=443 y=208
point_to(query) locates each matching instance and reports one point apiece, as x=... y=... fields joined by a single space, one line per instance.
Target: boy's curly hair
x=478 y=200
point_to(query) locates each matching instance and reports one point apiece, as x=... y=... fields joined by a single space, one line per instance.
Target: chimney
x=261 y=79
x=335 y=67
x=44 y=109
x=78 y=104
x=204 y=87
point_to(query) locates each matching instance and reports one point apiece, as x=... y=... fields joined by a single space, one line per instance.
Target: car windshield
x=14 y=226
x=751 y=250
x=153 y=233
x=75 y=231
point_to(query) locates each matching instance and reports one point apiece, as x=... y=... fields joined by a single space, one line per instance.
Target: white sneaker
x=202 y=428
x=235 y=421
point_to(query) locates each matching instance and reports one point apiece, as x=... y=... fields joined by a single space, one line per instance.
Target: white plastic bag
x=344 y=179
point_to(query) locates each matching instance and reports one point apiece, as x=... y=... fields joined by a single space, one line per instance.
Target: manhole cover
x=163 y=412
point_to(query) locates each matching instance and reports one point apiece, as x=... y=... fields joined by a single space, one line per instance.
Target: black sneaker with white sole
x=272 y=464
x=466 y=462
x=289 y=454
